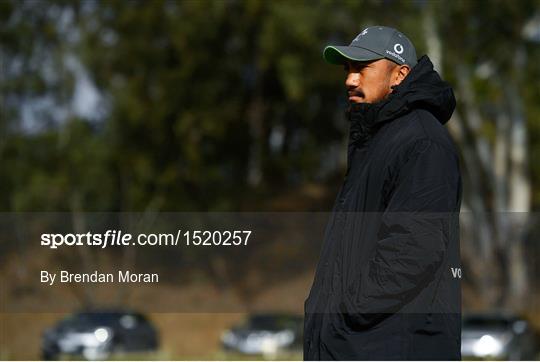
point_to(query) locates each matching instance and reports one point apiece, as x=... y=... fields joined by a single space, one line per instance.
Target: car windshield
x=101 y=318
x=487 y=322
x=271 y=322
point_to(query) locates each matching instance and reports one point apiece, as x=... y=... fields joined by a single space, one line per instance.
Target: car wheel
x=515 y=356
x=49 y=356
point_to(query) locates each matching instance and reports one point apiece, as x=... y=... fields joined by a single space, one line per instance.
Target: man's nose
x=352 y=80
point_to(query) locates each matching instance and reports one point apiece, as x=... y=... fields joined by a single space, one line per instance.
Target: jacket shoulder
x=420 y=124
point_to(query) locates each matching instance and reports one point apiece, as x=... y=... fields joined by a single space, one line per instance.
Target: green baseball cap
x=375 y=42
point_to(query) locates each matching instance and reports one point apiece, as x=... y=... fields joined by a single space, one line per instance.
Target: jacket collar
x=422 y=88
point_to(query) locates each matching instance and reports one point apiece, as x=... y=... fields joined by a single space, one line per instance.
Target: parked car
x=266 y=334
x=497 y=336
x=97 y=334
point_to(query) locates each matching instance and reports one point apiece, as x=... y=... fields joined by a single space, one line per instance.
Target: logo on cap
x=398 y=48
x=364 y=32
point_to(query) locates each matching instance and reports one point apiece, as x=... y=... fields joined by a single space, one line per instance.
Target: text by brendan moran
x=122 y=276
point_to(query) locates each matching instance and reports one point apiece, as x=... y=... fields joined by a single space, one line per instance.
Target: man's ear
x=400 y=72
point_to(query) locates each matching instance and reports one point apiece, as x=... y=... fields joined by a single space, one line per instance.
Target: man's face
x=370 y=82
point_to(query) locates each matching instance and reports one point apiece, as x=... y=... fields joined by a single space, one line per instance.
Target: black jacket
x=387 y=283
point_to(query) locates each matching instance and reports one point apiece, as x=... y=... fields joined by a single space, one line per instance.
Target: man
x=387 y=284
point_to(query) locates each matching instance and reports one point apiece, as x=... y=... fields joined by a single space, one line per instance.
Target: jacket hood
x=422 y=88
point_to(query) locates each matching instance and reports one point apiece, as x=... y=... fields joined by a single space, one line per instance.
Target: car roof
x=491 y=315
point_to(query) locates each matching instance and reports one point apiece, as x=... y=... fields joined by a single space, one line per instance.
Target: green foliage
x=199 y=91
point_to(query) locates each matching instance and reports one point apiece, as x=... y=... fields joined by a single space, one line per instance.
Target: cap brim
x=341 y=54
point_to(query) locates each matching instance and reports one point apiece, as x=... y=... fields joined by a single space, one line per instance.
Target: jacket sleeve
x=413 y=236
